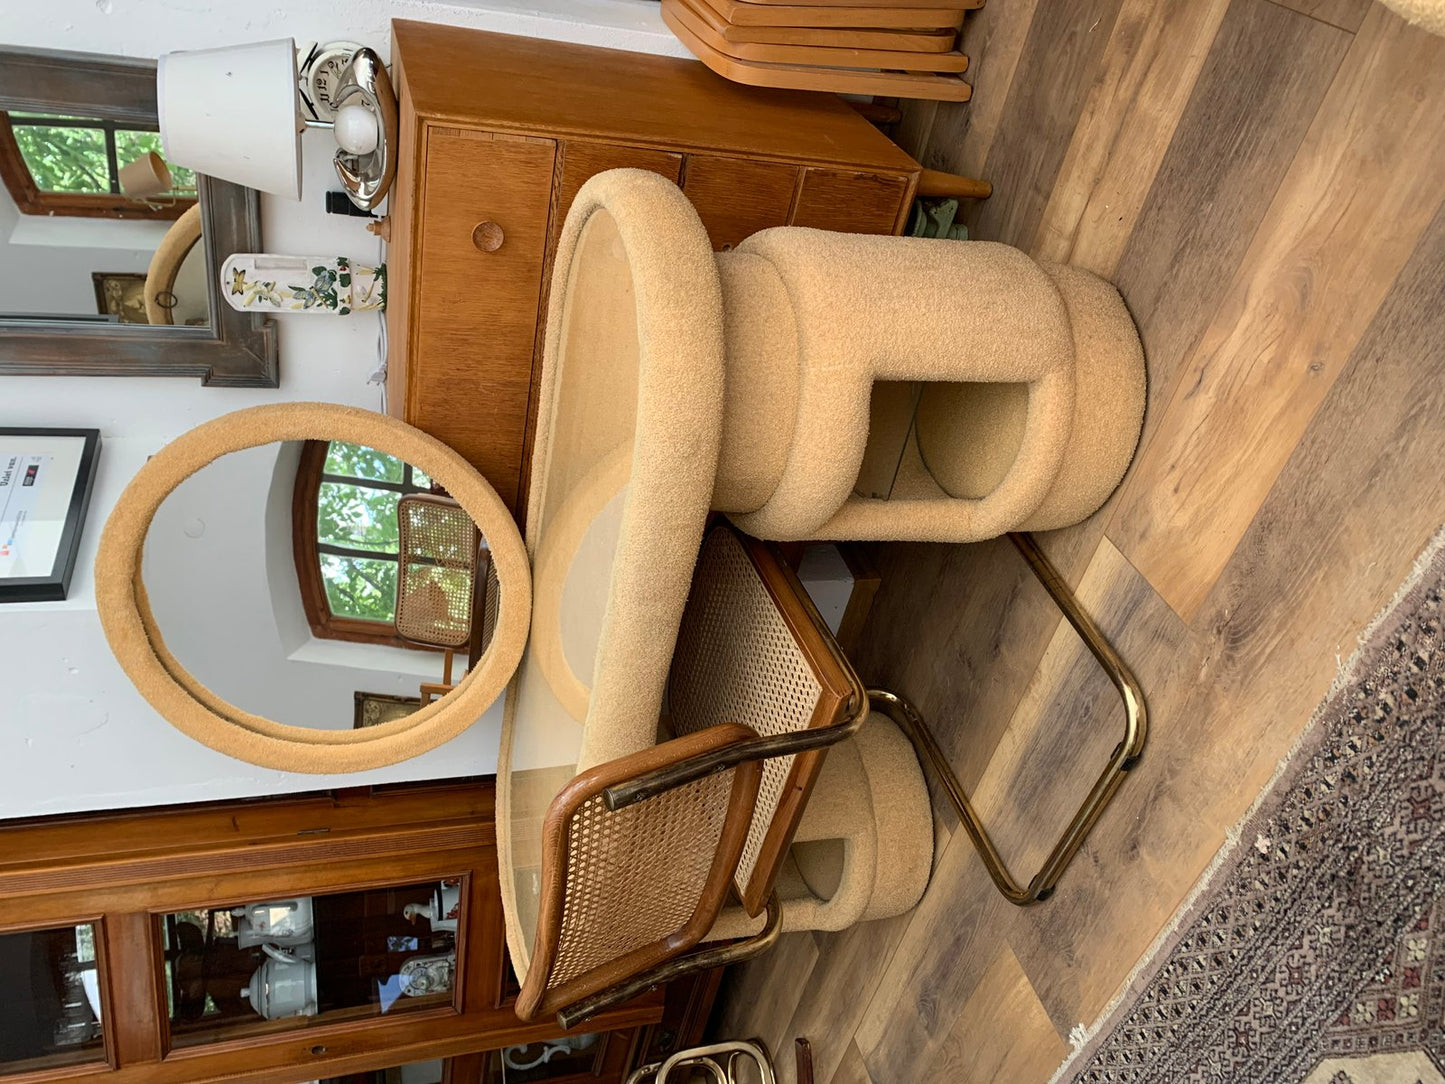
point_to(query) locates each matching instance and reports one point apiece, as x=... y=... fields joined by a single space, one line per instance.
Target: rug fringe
x=1081 y=1035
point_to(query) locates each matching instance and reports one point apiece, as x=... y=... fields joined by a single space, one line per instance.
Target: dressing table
x=498 y=133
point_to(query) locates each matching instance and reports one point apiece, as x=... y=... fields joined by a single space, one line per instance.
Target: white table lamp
x=234 y=113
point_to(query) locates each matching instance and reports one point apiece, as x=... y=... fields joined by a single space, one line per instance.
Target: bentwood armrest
x=623 y=892
x=642 y=787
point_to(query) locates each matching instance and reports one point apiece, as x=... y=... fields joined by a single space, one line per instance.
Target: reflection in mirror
x=95 y=226
x=52 y=1005
x=319 y=585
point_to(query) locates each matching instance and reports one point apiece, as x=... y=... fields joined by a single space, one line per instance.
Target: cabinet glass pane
x=50 y=1011
x=554 y=1059
x=258 y=965
x=419 y=1072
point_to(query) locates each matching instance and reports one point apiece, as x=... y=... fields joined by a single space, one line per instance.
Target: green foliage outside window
x=356 y=516
x=69 y=159
x=65 y=159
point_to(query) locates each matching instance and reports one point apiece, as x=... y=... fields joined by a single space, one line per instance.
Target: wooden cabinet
x=497 y=135
x=127 y=940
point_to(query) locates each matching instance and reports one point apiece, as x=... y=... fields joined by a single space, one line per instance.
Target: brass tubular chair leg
x=702 y=960
x=1125 y=755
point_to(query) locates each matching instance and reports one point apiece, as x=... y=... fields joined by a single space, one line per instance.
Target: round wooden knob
x=488 y=236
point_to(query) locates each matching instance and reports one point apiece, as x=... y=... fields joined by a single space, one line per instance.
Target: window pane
x=357 y=517
x=65 y=159
x=420 y=480
x=359 y=461
x=361 y=587
x=51 y=1006
x=569 y=1056
x=131 y=145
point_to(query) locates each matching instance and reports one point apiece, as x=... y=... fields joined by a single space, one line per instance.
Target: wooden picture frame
x=237 y=350
x=373 y=709
x=120 y=294
x=21 y=489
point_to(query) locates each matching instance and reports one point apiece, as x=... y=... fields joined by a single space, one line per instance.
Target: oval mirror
x=314 y=588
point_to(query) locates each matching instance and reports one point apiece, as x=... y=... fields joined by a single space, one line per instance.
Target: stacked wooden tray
x=888 y=47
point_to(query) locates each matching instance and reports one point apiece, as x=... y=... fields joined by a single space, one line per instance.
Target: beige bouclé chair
x=1032 y=398
x=696 y=693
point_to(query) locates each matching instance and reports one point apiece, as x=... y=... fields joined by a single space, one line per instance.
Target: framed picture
x=121 y=294
x=373 y=709
x=46 y=477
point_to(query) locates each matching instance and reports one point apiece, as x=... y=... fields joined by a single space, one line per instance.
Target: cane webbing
x=635 y=876
x=736 y=661
x=438 y=560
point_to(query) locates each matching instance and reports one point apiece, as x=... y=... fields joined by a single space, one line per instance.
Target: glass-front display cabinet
x=286 y=940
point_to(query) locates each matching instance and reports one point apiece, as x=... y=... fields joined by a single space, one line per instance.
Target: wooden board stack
x=887 y=47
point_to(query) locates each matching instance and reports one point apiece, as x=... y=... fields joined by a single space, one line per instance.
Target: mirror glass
x=93 y=219
x=320 y=585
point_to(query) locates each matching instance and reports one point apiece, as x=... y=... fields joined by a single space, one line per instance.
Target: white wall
x=74 y=734
x=47 y=270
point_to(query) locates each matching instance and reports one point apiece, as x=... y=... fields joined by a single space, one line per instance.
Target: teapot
x=284 y=985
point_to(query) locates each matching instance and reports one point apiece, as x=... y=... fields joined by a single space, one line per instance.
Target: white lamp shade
x=234 y=113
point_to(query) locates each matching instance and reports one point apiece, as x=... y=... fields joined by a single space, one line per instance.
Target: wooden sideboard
x=497 y=135
x=154 y=891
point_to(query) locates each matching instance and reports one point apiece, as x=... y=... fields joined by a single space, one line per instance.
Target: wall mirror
x=205 y=561
x=109 y=256
x=320 y=583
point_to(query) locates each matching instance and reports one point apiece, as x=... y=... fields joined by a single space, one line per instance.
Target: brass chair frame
x=1039 y=888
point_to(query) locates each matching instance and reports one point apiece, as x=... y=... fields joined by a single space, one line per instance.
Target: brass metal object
x=1125 y=755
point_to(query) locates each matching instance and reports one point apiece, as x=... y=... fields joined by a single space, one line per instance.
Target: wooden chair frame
x=535 y=996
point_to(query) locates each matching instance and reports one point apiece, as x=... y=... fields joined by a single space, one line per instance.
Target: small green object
x=936 y=218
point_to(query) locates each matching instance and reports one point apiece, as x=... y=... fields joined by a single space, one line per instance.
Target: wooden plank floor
x=1264 y=182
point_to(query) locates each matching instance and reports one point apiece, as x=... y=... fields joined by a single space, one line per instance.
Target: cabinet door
x=736 y=197
x=851 y=202
x=579 y=162
x=54 y=1013
x=597 y=1057
x=483 y=238
x=254 y=967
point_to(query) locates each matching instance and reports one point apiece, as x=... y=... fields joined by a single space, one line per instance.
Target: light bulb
x=355 y=129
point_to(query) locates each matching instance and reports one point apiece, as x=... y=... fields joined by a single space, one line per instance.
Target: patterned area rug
x=1316 y=955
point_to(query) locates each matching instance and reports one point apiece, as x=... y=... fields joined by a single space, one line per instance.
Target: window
x=64 y=165
x=345 y=538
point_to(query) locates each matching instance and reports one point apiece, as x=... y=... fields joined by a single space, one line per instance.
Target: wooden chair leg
x=447 y=667
x=936 y=184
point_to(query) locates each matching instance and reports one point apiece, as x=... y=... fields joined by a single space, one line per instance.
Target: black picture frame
x=55 y=586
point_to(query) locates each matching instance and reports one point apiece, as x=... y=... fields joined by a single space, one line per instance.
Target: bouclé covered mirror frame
x=191 y=707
